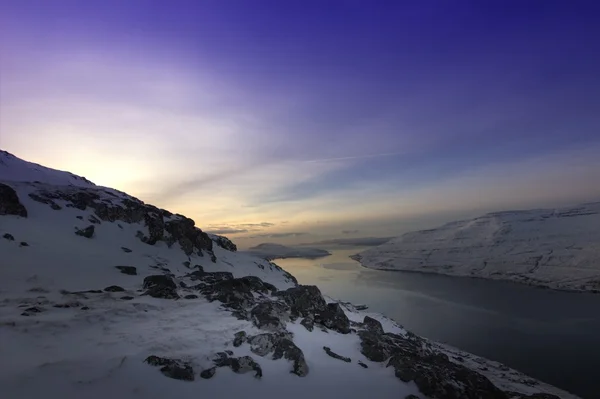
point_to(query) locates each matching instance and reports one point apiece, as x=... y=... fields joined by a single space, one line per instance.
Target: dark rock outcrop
x=208 y=373
x=270 y=315
x=361 y=364
x=304 y=300
x=413 y=359
x=240 y=338
x=88 y=232
x=224 y=243
x=335 y=355
x=334 y=318
x=8 y=237
x=9 y=202
x=114 y=288
x=172 y=368
x=308 y=322
x=239 y=365
x=281 y=346
x=129 y=270
x=160 y=286
x=126 y=250
x=23 y=244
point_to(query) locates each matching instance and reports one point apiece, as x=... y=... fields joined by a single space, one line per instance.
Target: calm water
x=551 y=335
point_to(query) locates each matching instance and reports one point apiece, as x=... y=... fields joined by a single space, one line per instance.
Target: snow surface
x=98 y=352
x=555 y=248
x=278 y=251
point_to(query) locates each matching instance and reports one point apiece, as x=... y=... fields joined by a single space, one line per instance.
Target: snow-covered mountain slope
x=556 y=248
x=102 y=296
x=278 y=251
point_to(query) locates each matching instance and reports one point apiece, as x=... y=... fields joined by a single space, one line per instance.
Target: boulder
x=8 y=237
x=308 y=322
x=88 y=232
x=372 y=325
x=9 y=202
x=126 y=250
x=208 y=373
x=240 y=338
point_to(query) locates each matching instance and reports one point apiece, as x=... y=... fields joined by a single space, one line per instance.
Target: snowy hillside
x=556 y=248
x=103 y=296
x=278 y=251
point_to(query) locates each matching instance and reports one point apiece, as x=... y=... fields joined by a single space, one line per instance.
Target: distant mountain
x=103 y=295
x=277 y=251
x=555 y=248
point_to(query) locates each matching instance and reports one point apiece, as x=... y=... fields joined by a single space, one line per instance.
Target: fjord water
x=551 y=335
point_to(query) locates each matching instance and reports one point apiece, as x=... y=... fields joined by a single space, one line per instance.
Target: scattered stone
x=172 y=368
x=79 y=217
x=208 y=373
x=126 y=250
x=191 y=296
x=411 y=396
x=9 y=237
x=187 y=264
x=35 y=309
x=361 y=364
x=93 y=219
x=9 y=202
x=88 y=232
x=335 y=355
x=85 y=308
x=114 y=288
x=160 y=286
x=23 y=244
x=127 y=298
x=129 y=270
x=361 y=307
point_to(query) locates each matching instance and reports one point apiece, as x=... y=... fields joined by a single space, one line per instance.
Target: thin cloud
x=279 y=235
x=385 y=154
x=350 y=231
x=227 y=231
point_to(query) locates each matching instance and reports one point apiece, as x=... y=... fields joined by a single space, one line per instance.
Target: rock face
x=223 y=242
x=303 y=300
x=270 y=315
x=9 y=202
x=162 y=225
x=414 y=360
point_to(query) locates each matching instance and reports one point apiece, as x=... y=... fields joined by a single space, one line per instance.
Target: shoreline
x=490 y=278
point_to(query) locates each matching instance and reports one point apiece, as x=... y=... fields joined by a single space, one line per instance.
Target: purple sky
x=274 y=117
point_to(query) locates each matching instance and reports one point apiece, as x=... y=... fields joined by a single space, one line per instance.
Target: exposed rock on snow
x=73 y=341
x=172 y=368
x=8 y=237
x=9 y=202
x=555 y=248
x=88 y=232
x=278 y=251
x=129 y=270
x=335 y=355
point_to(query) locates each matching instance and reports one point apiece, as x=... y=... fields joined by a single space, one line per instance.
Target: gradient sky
x=268 y=119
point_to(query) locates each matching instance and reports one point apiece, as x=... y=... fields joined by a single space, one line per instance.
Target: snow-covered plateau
x=104 y=296
x=554 y=248
x=278 y=251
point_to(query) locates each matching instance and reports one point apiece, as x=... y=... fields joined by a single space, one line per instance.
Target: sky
x=289 y=121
